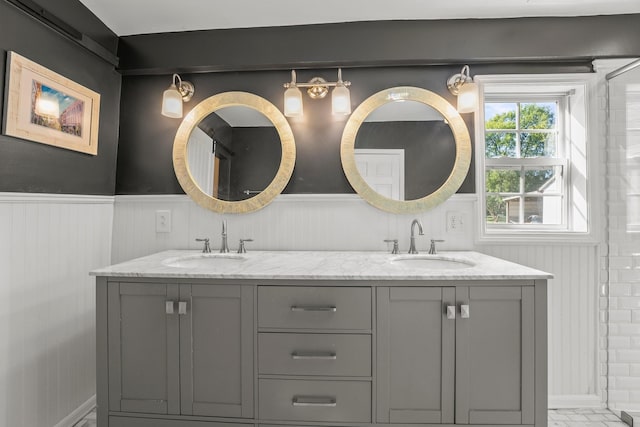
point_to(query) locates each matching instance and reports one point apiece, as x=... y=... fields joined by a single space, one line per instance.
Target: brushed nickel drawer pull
x=329 y=402
x=303 y=355
x=324 y=308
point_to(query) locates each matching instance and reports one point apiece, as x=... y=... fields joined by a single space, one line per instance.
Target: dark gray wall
x=383 y=43
x=32 y=167
x=145 y=163
x=374 y=56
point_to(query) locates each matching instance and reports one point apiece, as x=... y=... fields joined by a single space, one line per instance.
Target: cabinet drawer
x=314 y=354
x=319 y=401
x=281 y=307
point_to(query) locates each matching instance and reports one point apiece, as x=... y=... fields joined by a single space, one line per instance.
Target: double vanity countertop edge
x=322 y=265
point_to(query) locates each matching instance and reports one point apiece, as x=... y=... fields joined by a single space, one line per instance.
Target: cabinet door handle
x=169 y=307
x=451 y=312
x=323 y=308
x=182 y=307
x=464 y=311
x=303 y=355
x=316 y=401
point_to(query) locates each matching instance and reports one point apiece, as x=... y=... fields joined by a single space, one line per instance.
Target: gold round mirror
x=405 y=150
x=234 y=153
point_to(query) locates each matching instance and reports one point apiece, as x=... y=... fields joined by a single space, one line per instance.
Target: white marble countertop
x=319 y=265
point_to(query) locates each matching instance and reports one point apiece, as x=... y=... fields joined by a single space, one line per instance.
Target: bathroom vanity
x=353 y=339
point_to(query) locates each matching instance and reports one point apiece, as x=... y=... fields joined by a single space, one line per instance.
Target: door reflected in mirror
x=405 y=150
x=234 y=153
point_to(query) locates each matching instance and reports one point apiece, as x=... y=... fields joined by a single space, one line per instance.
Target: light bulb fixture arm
x=317 y=81
x=185 y=88
x=458 y=80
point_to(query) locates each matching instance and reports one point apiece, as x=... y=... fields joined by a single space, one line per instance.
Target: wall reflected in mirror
x=405 y=150
x=234 y=153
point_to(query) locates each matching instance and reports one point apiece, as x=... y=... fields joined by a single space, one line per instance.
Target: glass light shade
x=172 y=103
x=47 y=106
x=341 y=100
x=293 y=102
x=468 y=98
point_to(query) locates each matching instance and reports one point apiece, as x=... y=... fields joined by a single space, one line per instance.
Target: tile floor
x=584 y=418
x=557 y=418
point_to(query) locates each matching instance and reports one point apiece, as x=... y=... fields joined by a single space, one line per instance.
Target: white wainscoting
x=48 y=244
x=291 y=222
x=346 y=222
x=572 y=317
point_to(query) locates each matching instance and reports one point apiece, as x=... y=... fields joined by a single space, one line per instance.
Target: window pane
x=543 y=180
x=496 y=209
x=499 y=144
x=543 y=210
x=513 y=210
x=538 y=144
x=502 y=180
x=500 y=115
x=539 y=115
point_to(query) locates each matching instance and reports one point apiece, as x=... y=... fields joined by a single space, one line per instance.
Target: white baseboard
x=575 y=401
x=78 y=413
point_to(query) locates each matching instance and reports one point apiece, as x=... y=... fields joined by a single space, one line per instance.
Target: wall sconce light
x=465 y=89
x=173 y=97
x=317 y=88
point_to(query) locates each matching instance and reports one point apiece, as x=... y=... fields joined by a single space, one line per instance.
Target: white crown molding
x=54 y=198
x=602 y=66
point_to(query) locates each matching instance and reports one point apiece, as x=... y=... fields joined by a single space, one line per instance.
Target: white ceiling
x=126 y=17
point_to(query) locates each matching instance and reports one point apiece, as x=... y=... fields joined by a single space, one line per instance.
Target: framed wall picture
x=45 y=107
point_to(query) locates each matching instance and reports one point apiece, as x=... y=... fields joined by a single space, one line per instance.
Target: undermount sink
x=204 y=260
x=431 y=262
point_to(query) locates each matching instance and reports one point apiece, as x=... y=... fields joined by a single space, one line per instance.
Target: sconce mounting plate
x=186 y=90
x=318 y=89
x=454 y=82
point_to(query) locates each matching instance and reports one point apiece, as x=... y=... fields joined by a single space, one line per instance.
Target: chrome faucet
x=432 y=248
x=412 y=245
x=207 y=248
x=241 y=248
x=224 y=247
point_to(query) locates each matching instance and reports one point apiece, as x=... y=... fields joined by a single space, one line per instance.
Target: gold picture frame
x=43 y=106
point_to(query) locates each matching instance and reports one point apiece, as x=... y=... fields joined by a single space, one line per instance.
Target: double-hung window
x=532 y=157
x=525 y=162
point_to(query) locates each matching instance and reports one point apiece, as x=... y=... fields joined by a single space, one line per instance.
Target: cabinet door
x=495 y=355
x=416 y=355
x=216 y=339
x=143 y=348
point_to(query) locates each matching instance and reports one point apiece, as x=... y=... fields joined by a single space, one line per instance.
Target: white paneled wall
x=48 y=244
x=572 y=316
x=291 y=222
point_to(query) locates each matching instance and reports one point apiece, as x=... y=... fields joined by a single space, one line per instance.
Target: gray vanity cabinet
x=224 y=353
x=216 y=350
x=180 y=349
x=495 y=355
x=416 y=355
x=462 y=354
x=144 y=374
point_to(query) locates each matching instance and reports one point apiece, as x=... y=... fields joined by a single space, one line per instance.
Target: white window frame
x=579 y=171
